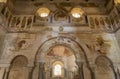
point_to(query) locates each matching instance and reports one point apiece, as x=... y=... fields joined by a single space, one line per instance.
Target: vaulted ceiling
x=30 y=6
x=60 y=51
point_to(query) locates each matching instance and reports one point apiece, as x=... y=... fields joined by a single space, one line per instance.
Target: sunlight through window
x=57 y=70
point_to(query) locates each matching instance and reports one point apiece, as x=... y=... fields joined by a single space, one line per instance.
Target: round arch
x=79 y=49
x=18 y=67
x=61 y=64
x=24 y=57
x=19 y=58
x=105 y=57
x=104 y=60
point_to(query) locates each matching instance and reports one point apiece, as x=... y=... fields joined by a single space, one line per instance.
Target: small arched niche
x=104 y=68
x=18 y=69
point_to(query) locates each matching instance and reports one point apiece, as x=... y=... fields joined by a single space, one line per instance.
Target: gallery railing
x=89 y=23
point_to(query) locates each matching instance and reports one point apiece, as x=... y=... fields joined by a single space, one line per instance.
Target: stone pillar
x=65 y=72
x=21 y=19
x=26 y=22
x=6 y=73
x=80 y=69
x=50 y=72
x=30 y=72
x=10 y=23
x=41 y=70
x=2 y=71
x=32 y=21
x=92 y=70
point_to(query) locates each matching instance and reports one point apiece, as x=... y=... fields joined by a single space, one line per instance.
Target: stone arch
x=19 y=57
x=13 y=57
x=104 y=68
x=105 y=57
x=58 y=61
x=18 y=68
x=81 y=53
x=68 y=42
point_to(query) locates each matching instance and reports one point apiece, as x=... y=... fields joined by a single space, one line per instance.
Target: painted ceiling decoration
x=59 y=51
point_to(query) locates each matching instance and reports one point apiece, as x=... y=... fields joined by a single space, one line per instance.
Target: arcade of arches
x=59 y=39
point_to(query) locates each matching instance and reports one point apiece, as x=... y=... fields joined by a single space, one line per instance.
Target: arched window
x=57 y=70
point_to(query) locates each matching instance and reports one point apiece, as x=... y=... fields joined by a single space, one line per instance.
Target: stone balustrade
x=104 y=23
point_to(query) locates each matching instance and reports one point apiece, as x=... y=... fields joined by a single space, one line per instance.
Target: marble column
x=80 y=69
x=41 y=70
